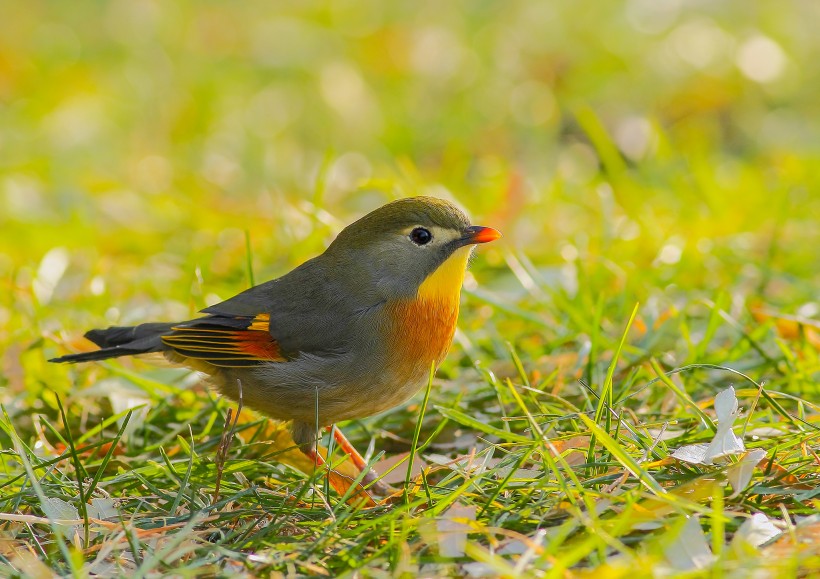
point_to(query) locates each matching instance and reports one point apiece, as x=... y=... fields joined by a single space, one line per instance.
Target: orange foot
x=281 y=447
x=370 y=484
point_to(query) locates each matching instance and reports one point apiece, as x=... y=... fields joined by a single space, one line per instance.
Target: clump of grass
x=538 y=471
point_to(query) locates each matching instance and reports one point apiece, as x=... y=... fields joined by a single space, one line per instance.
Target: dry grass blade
x=228 y=433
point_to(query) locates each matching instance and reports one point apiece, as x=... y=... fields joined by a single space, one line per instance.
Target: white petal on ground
x=57 y=509
x=690 y=550
x=756 y=531
x=52 y=268
x=478 y=569
x=725 y=442
x=453 y=528
x=726 y=405
x=102 y=508
x=740 y=473
x=691 y=453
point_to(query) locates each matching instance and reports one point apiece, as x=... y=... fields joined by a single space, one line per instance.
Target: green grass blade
x=416 y=432
x=606 y=397
x=623 y=457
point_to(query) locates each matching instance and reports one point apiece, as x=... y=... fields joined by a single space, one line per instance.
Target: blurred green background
x=643 y=149
x=665 y=152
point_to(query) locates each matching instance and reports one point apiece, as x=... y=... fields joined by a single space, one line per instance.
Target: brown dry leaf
x=805 y=541
x=577 y=445
x=783 y=475
x=398 y=474
x=576 y=442
x=30 y=565
x=97 y=452
x=10 y=545
x=652 y=509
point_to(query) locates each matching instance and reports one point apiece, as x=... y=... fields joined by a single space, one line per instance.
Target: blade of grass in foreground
x=605 y=399
x=41 y=496
x=623 y=457
x=79 y=470
x=550 y=455
x=417 y=432
x=682 y=395
x=109 y=453
x=470 y=422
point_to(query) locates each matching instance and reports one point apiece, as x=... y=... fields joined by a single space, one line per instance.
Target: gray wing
x=309 y=310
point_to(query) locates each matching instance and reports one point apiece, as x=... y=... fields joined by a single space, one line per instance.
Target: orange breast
x=420 y=334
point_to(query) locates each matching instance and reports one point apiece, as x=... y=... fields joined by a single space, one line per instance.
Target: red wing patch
x=226 y=342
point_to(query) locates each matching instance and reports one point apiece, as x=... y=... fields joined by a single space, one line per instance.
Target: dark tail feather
x=121 y=341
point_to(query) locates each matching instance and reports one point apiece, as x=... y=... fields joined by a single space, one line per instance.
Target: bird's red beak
x=479 y=234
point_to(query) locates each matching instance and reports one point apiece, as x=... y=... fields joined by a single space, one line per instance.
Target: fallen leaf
x=398 y=474
x=740 y=473
x=57 y=509
x=755 y=531
x=29 y=565
x=805 y=539
x=103 y=508
x=689 y=551
x=691 y=453
x=452 y=528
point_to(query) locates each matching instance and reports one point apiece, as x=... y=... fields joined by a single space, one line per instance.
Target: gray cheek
x=400 y=270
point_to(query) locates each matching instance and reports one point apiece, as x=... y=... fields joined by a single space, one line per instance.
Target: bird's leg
x=314 y=455
x=370 y=477
x=340 y=483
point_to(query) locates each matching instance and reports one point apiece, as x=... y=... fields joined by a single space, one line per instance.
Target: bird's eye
x=421 y=236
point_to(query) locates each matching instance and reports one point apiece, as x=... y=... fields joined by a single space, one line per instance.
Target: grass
x=660 y=246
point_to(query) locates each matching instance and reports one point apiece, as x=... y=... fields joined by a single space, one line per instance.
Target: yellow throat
x=444 y=284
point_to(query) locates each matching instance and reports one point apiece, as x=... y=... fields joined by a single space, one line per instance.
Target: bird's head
x=417 y=246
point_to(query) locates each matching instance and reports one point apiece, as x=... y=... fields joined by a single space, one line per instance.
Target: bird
x=347 y=334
